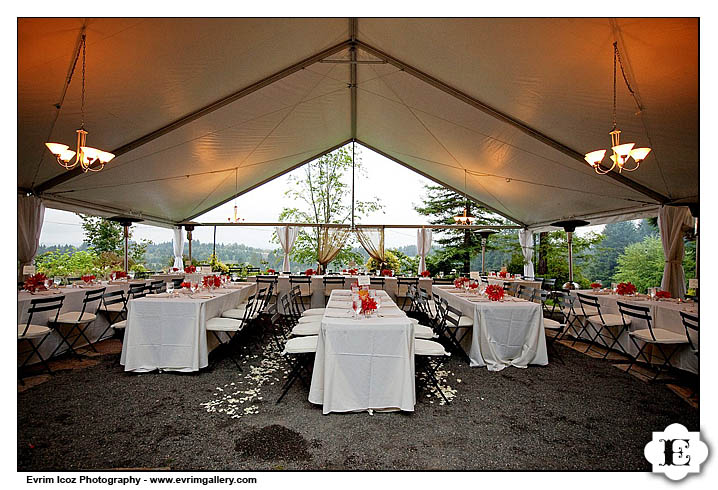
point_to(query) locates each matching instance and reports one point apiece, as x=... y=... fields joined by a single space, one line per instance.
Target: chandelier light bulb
x=639 y=154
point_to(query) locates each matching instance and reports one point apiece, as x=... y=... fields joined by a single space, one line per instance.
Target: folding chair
x=276 y=323
x=157 y=287
x=525 y=292
x=484 y=280
x=271 y=279
x=79 y=321
x=303 y=287
x=602 y=322
x=690 y=323
x=455 y=331
x=231 y=327
x=556 y=326
x=513 y=288
x=653 y=336
x=548 y=284
x=376 y=281
x=424 y=352
x=299 y=352
x=29 y=332
x=330 y=284
x=177 y=283
x=114 y=306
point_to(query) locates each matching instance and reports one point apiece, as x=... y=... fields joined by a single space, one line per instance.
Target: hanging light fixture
x=621 y=153
x=466 y=218
x=90 y=159
x=235 y=218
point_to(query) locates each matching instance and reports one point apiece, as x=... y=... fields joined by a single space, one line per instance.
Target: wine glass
x=170 y=288
x=132 y=274
x=57 y=281
x=356 y=306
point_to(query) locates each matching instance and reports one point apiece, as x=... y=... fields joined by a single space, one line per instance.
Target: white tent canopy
x=187 y=103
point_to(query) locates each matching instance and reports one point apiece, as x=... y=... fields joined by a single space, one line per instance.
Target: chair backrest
x=376 y=281
x=590 y=301
x=453 y=315
x=252 y=270
x=484 y=279
x=268 y=292
x=289 y=312
x=114 y=297
x=513 y=288
x=690 y=322
x=527 y=293
x=44 y=304
x=564 y=302
x=91 y=297
x=443 y=280
x=268 y=279
x=331 y=283
x=635 y=312
x=548 y=284
x=157 y=287
x=403 y=283
x=275 y=322
x=295 y=295
x=137 y=291
x=302 y=283
x=423 y=299
x=177 y=283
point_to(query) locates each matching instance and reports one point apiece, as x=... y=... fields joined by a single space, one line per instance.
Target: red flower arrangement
x=368 y=304
x=211 y=281
x=119 y=274
x=503 y=274
x=186 y=284
x=663 y=294
x=271 y=271
x=625 y=288
x=473 y=285
x=175 y=269
x=495 y=292
x=35 y=283
x=426 y=274
x=387 y=272
x=190 y=269
x=595 y=285
x=309 y=272
x=459 y=282
x=353 y=272
x=88 y=279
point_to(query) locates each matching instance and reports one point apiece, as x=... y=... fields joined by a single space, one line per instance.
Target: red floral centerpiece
x=473 y=285
x=190 y=269
x=368 y=304
x=271 y=271
x=211 y=281
x=459 y=282
x=595 y=286
x=309 y=272
x=353 y=272
x=88 y=279
x=386 y=272
x=503 y=274
x=495 y=292
x=426 y=274
x=35 y=283
x=186 y=285
x=175 y=269
x=119 y=274
x=663 y=294
x=625 y=288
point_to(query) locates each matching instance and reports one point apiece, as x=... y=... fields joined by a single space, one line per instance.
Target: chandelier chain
x=82 y=106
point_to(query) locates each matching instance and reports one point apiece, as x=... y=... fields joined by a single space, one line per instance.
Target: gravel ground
x=585 y=415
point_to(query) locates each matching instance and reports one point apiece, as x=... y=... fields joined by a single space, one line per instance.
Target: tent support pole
x=425 y=77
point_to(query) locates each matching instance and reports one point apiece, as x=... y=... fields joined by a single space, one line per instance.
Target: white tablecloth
x=665 y=315
x=508 y=333
x=364 y=364
x=529 y=284
x=169 y=333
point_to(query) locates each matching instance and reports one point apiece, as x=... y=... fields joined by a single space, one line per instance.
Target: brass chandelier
x=621 y=153
x=90 y=159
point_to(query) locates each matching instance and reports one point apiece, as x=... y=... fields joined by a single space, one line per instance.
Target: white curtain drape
x=526 y=240
x=178 y=245
x=672 y=222
x=30 y=215
x=423 y=245
x=286 y=235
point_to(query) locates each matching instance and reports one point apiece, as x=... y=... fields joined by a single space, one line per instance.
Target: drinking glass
x=170 y=288
x=652 y=293
x=356 y=306
x=234 y=277
x=57 y=281
x=132 y=274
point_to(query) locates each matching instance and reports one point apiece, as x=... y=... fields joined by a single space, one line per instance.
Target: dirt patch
x=273 y=442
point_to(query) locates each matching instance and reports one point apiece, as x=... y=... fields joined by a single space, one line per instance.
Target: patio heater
x=569 y=227
x=189 y=229
x=484 y=235
x=126 y=222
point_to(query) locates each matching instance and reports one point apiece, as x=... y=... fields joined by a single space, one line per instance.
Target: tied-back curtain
x=331 y=241
x=286 y=235
x=372 y=239
x=423 y=245
x=177 y=246
x=672 y=222
x=30 y=215
x=526 y=240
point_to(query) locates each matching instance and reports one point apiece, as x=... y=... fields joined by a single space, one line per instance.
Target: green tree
x=324 y=197
x=102 y=235
x=459 y=246
x=392 y=262
x=407 y=265
x=556 y=253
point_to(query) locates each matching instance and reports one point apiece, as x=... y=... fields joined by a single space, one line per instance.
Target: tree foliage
x=322 y=196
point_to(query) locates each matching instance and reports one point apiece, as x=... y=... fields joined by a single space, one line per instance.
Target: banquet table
x=318 y=292
x=168 y=333
x=505 y=333
x=363 y=364
x=529 y=284
x=664 y=313
x=74 y=296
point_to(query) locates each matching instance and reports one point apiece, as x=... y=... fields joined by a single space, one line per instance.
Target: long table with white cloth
x=363 y=364
x=664 y=313
x=168 y=333
x=505 y=333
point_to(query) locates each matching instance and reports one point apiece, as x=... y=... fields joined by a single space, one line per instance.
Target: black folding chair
x=330 y=284
x=177 y=283
x=290 y=315
x=79 y=321
x=299 y=353
x=114 y=305
x=137 y=290
x=548 y=284
x=402 y=288
x=650 y=336
x=454 y=332
x=303 y=287
x=378 y=282
x=690 y=323
x=29 y=333
x=157 y=287
x=602 y=323
x=236 y=327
